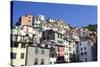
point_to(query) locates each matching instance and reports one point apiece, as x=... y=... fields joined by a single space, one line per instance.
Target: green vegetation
x=91 y=27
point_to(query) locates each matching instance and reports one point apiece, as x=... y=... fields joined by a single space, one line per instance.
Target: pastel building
x=40 y=23
x=37 y=55
x=66 y=50
x=51 y=45
x=25 y=20
x=57 y=39
x=60 y=53
x=18 y=50
x=72 y=50
x=53 y=35
x=85 y=51
x=20 y=39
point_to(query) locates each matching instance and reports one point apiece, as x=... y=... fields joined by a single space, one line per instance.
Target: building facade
x=85 y=51
x=37 y=55
x=19 y=41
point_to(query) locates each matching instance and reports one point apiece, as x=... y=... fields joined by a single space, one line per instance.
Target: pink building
x=59 y=50
x=26 y=20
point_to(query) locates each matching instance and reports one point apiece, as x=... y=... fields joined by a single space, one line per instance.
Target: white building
x=85 y=51
x=69 y=49
x=21 y=37
x=66 y=51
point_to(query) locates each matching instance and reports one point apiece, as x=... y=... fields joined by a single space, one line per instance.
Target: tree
x=91 y=27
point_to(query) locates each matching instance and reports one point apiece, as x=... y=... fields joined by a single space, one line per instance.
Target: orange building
x=26 y=20
x=60 y=50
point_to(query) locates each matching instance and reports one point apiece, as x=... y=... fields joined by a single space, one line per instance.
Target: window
x=85 y=59
x=81 y=48
x=36 y=50
x=60 y=41
x=22 y=55
x=73 y=46
x=82 y=53
x=22 y=65
x=85 y=48
x=70 y=54
x=36 y=61
x=21 y=28
x=13 y=55
x=58 y=54
x=27 y=35
x=66 y=53
x=42 y=61
x=42 y=51
x=29 y=20
x=29 y=17
x=23 y=45
x=69 y=42
x=85 y=53
x=60 y=36
x=13 y=37
x=50 y=62
x=69 y=48
x=36 y=20
x=80 y=44
x=58 y=49
x=14 y=44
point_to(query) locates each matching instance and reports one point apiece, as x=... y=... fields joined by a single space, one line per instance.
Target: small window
x=42 y=51
x=27 y=35
x=14 y=44
x=70 y=54
x=36 y=50
x=58 y=54
x=73 y=46
x=58 y=35
x=22 y=65
x=80 y=44
x=69 y=48
x=21 y=28
x=85 y=59
x=65 y=53
x=58 y=49
x=50 y=62
x=85 y=48
x=85 y=53
x=22 y=55
x=81 y=49
x=29 y=20
x=42 y=61
x=69 y=42
x=82 y=53
x=13 y=55
x=66 y=46
x=23 y=45
x=36 y=61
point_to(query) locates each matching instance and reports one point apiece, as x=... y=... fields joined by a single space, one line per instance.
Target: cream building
x=22 y=36
x=66 y=50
